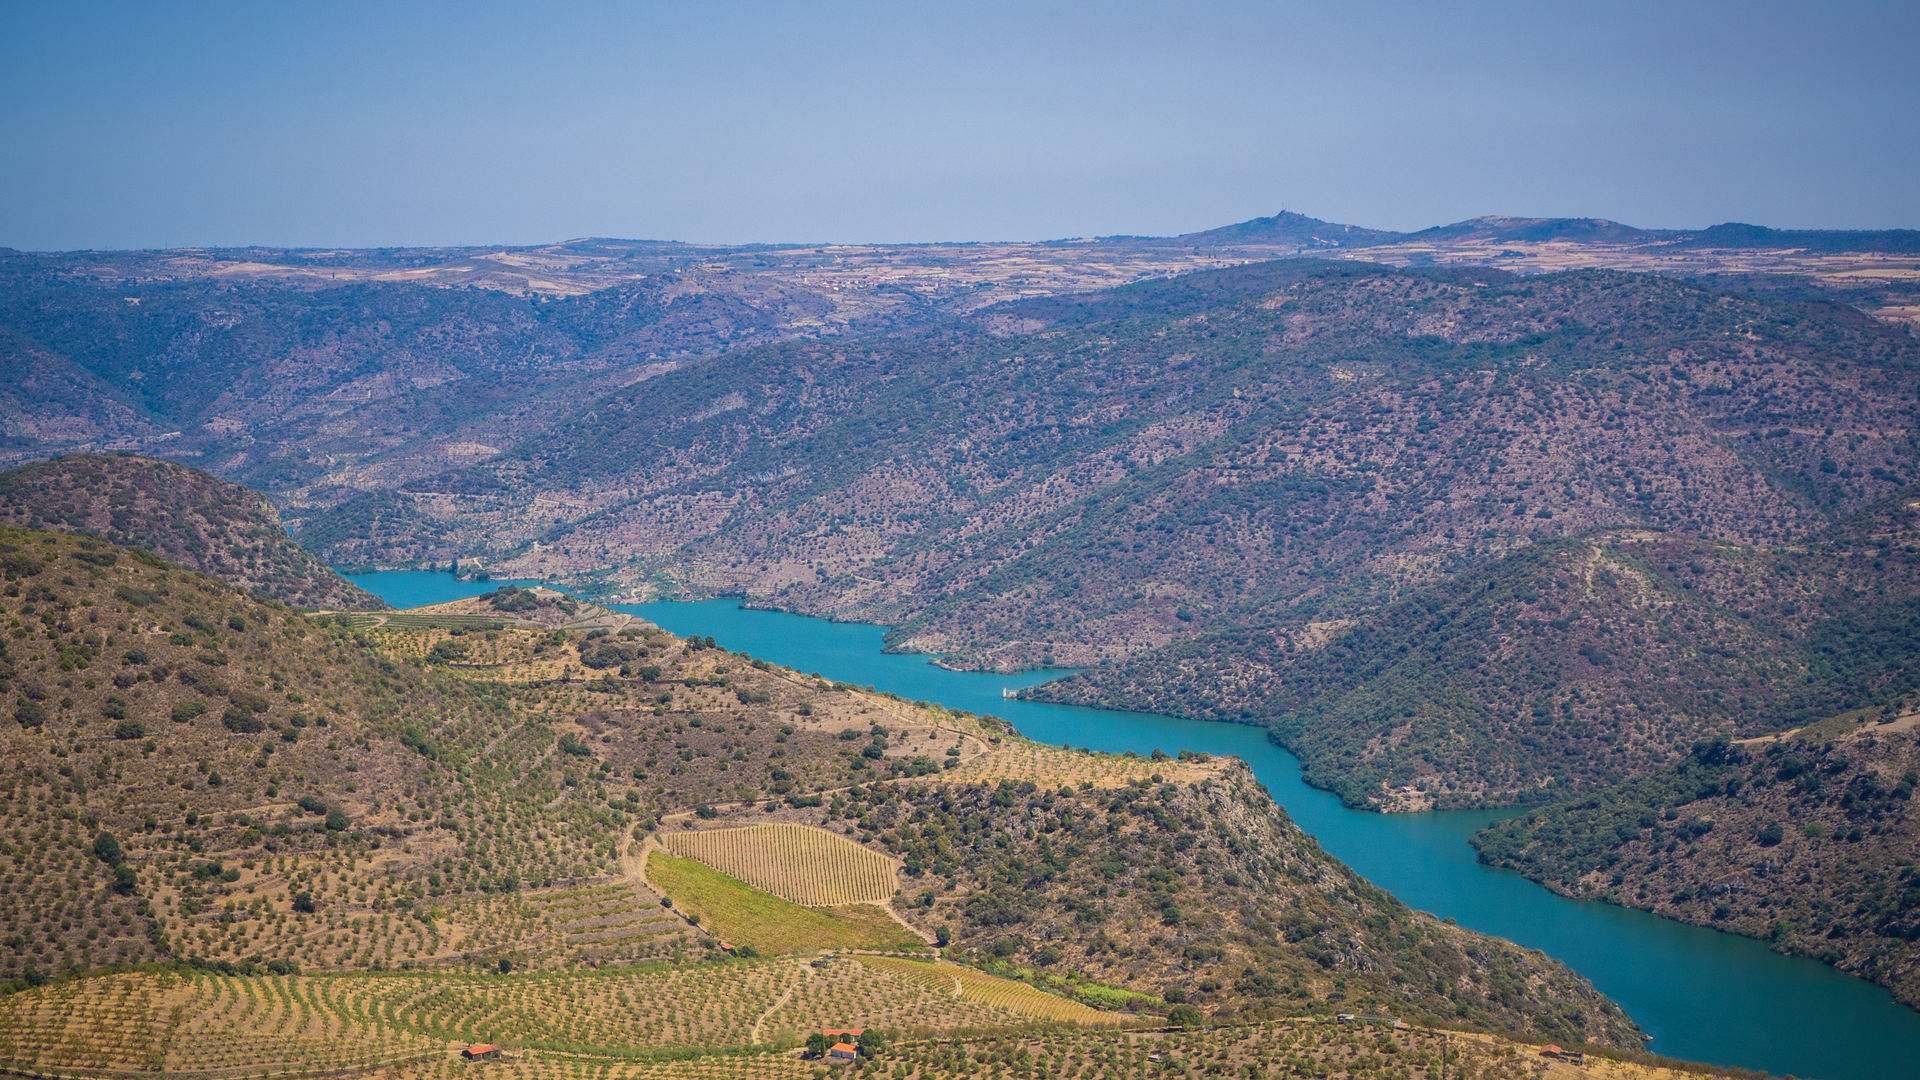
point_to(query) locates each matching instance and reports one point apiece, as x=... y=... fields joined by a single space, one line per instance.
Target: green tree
x=107 y=848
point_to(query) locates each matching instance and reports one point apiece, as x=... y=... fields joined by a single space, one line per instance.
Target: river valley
x=1700 y=994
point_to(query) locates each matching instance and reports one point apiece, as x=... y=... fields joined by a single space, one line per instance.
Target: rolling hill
x=181 y=514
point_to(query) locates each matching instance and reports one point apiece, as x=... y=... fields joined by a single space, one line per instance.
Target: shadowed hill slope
x=182 y=514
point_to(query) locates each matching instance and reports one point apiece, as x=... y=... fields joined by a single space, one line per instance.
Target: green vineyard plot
x=743 y=915
x=800 y=863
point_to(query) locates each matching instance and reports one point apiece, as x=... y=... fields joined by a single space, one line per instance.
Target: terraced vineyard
x=1017 y=759
x=841 y=992
x=972 y=985
x=694 y=1022
x=203 y=1026
x=1318 y=1049
x=612 y=922
x=743 y=915
x=794 y=862
x=607 y=921
x=234 y=1025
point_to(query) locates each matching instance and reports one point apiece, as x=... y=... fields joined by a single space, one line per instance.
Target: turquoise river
x=1700 y=994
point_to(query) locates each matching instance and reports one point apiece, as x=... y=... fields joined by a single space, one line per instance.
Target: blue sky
x=339 y=123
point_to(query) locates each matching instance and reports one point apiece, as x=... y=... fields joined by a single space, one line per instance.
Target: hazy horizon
x=356 y=125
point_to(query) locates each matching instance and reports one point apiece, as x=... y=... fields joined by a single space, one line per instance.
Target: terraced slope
x=971 y=984
x=742 y=916
x=235 y=1026
x=183 y=515
x=613 y=1025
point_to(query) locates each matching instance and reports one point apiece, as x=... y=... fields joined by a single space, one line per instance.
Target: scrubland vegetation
x=1565 y=666
x=1457 y=538
x=1809 y=841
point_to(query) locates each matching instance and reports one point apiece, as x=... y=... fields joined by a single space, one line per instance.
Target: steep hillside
x=315 y=375
x=1203 y=890
x=313 y=388
x=1078 y=479
x=1568 y=665
x=1808 y=841
x=181 y=514
x=195 y=775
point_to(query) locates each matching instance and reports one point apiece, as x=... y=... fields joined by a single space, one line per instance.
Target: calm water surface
x=1702 y=995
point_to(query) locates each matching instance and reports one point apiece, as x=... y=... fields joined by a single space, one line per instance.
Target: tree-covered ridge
x=1809 y=842
x=1568 y=665
x=181 y=514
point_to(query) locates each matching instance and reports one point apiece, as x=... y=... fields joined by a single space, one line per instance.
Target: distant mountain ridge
x=1307 y=233
x=1287 y=227
x=1727 y=235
